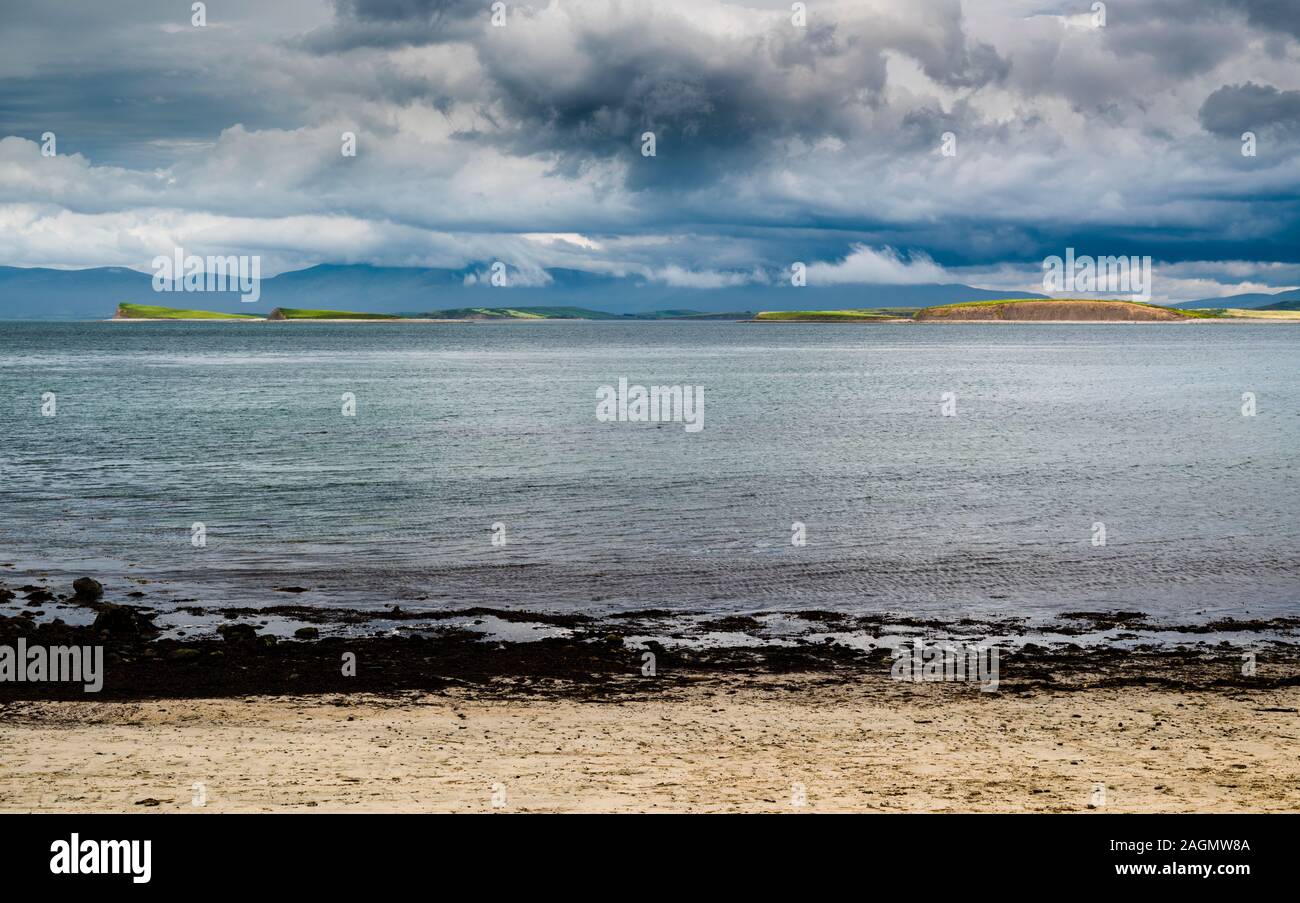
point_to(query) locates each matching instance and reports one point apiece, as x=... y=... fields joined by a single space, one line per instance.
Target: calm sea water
x=987 y=513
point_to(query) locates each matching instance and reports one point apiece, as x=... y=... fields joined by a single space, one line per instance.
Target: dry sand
x=727 y=745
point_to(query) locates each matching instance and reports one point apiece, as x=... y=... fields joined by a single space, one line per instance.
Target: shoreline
x=180 y=646
x=1116 y=322
x=269 y=320
x=592 y=719
x=787 y=322
x=585 y=658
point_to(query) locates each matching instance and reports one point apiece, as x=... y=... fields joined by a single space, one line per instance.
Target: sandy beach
x=810 y=742
x=435 y=718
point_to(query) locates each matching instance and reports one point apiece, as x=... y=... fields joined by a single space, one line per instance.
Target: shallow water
x=986 y=514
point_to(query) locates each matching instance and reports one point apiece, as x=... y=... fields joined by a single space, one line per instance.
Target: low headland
x=146 y=312
x=1009 y=310
x=1060 y=310
x=298 y=313
x=127 y=311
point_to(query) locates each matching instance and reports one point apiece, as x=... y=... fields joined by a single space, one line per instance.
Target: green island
x=1041 y=310
x=153 y=312
x=127 y=311
x=1082 y=310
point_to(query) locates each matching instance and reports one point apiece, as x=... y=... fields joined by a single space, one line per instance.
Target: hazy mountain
x=62 y=294
x=94 y=293
x=1291 y=301
x=1276 y=301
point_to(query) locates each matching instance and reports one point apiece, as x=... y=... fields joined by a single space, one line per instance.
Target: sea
x=950 y=472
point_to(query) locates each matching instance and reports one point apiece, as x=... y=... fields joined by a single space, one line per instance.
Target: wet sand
x=726 y=744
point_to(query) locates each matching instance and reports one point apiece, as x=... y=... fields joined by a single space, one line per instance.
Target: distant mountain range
x=1288 y=300
x=38 y=293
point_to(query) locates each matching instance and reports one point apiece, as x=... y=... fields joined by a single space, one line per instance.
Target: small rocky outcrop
x=123 y=622
x=87 y=589
x=237 y=633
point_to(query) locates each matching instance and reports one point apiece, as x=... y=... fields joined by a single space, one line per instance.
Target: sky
x=1110 y=129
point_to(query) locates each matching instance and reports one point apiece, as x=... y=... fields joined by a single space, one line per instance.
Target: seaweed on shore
x=590 y=664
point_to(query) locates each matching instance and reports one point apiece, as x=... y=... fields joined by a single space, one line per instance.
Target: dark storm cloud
x=710 y=107
x=772 y=140
x=715 y=103
x=922 y=128
x=1234 y=109
x=126 y=117
x=1271 y=15
x=396 y=23
x=1263 y=16
x=1112 y=70
x=130 y=82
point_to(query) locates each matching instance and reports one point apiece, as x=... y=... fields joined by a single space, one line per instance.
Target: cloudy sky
x=774 y=142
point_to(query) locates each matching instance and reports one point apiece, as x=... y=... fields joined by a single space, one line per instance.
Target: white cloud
x=572 y=238
x=884 y=266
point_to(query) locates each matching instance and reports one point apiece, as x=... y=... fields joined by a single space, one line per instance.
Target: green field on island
x=154 y=312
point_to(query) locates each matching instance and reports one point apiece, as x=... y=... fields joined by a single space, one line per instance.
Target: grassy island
x=1060 y=310
x=127 y=311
